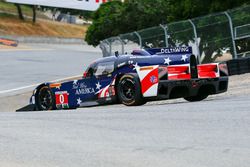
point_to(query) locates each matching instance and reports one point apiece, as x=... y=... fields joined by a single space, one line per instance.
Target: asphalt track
x=26 y=66
x=214 y=132
x=32 y=64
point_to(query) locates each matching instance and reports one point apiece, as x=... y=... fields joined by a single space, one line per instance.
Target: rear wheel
x=45 y=99
x=129 y=90
x=199 y=97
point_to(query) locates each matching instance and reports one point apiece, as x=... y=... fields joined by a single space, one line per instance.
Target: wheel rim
x=45 y=99
x=127 y=89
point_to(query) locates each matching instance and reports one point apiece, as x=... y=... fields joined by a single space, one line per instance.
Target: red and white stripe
x=105 y=92
x=149 y=78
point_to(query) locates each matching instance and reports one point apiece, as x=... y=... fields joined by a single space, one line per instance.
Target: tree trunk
x=34 y=13
x=19 y=10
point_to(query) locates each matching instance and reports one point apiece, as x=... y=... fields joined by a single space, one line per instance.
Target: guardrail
x=238 y=66
x=217 y=37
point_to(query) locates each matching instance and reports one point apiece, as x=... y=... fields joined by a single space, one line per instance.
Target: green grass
x=7 y=15
x=11 y=8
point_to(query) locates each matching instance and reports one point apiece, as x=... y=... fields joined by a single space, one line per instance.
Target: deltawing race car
x=134 y=79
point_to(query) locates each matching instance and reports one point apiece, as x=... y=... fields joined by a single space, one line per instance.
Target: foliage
x=107 y=20
x=115 y=18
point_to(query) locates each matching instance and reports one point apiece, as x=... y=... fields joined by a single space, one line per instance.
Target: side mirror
x=85 y=75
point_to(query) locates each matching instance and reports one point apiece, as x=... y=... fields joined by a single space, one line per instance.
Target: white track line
x=23 y=49
x=34 y=85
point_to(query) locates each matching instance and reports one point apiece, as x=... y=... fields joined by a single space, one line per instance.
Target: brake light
x=207 y=67
x=178 y=69
x=208 y=71
x=178 y=72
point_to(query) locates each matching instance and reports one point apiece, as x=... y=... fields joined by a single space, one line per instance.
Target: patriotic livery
x=134 y=79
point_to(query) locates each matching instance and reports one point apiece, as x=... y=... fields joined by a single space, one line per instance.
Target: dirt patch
x=14 y=26
x=12 y=103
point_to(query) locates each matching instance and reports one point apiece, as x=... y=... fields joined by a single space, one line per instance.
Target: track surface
x=209 y=133
x=33 y=64
x=214 y=132
x=26 y=66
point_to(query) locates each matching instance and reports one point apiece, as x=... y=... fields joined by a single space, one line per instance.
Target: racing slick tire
x=198 y=97
x=45 y=99
x=129 y=90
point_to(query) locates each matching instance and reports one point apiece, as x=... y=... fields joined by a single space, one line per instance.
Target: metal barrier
x=217 y=37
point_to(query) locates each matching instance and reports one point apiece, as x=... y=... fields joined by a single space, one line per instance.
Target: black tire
x=129 y=90
x=45 y=99
x=196 y=98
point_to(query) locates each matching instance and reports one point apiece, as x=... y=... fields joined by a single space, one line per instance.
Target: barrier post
x=165 y=28
x=232 y=34
x=139 y=37
x=196 y=40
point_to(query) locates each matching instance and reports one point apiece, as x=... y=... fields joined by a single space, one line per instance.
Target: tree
x=107 y=22
x=19 y=10
x=34 y=7
x=115 y=18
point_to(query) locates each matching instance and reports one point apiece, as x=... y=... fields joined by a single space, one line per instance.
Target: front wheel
x=196 y=98
x=45 y=99
x=129 y=90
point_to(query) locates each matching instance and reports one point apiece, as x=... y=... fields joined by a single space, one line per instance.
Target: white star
x=167 y=61
x=79 y=101
x=135 y=66
x=184 y=57
x=75 y=82
x=98 y=86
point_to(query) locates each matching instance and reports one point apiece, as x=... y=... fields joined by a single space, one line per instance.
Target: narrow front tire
x=45 y=99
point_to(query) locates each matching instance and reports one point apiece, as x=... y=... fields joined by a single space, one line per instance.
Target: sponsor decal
x=62 y=99
x=55 y=85
x=175 y=50
x=83 y=91
x=121 y=64
x=146 y=68
x=81 y=88
x=136 y=57
x=153 y=79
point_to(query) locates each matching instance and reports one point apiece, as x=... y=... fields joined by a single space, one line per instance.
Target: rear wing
x=166 y=51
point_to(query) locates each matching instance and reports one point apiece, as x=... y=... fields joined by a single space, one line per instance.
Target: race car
x=134 y=79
